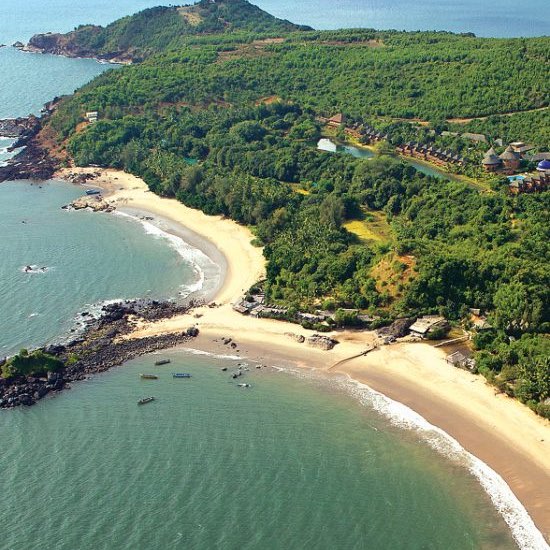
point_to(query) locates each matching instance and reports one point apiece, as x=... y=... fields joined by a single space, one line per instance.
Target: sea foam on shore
x=198 y=260
x=524 y=531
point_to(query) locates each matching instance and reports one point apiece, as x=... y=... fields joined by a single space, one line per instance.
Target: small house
x=239 y=308
x=491 y=162
x=510 y=159
x=456 y=359
x=480 y=138
x=427 y=324
x=336 y=121
x=92 y=116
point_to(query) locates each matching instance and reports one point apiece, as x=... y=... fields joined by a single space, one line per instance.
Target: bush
x=36 y=363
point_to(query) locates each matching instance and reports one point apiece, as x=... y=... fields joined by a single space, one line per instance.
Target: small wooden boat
x=162 y=362
x=149 y=376
x=181 y=375
x=244 y=385
x=93 y=192
x=146 y=400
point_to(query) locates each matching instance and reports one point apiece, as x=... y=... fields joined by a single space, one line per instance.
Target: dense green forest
x=228 y=124
x=156 y=29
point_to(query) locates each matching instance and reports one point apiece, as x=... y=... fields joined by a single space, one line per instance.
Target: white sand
x=498 y=430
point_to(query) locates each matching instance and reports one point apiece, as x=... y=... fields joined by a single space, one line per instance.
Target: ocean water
x=89 y=258
x=286 y=464
x=290 y=463
x=489 y=18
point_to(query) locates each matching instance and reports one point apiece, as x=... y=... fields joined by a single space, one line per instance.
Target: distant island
x=222 y=107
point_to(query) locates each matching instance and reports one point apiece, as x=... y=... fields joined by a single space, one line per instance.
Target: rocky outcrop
x=19 y=127
x=69 y=45
x=398 y=329
x=296 y=337
x=98 y=349
x=94 y=202
x=34 y=162
x=321 y=342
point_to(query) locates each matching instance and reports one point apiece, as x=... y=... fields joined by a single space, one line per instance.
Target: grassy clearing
x=371 y=229
x=393 y=274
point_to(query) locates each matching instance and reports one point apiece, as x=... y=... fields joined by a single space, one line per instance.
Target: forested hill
x=152 y=30
x=228 y=122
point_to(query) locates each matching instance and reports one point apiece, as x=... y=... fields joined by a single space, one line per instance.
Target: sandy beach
x=498 y=430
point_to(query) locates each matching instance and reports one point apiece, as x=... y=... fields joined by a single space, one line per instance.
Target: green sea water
x=286 y=464
x=289 y=464
x=89 y=258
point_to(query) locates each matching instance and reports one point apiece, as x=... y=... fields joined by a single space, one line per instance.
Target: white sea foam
x=34 y=269
x=195 y=257
x=194 y=351
x=523 y=529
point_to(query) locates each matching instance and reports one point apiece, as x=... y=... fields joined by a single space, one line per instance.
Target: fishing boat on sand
x=146 y=400
x=149 y=376
x=181 y=375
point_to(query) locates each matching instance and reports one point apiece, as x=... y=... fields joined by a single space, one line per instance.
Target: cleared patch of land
x=371 y=229
x=190 y=14
x=393 y=273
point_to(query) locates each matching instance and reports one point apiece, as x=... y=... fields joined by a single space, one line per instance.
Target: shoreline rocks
x=321 y=342
x=68 y=45
x=93 y=202
x=34 y=162
x=19 y=127
x=98 y=349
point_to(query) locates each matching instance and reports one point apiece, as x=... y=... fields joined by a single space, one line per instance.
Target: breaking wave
x=523 y=529
x=193 y=256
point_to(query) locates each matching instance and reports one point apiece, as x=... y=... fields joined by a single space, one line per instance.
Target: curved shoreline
x=499 y=431
x=212 y=275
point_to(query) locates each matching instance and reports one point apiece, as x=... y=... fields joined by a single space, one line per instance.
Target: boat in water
x=181 y=375
x=162 y=362
x=146 y=400
x=244 y=385
x=149 y=376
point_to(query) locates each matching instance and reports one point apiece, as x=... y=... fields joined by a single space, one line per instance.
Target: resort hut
x=456 y=359
x=336 y=121
x=511 y=159
x=92 y=116
x=544 y=166
x=491 y=162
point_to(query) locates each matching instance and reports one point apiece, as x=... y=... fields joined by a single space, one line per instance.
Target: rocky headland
x=69 y=45
x=36 y=160
x=98 y=348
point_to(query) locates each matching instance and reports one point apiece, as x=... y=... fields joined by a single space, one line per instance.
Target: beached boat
x=181 y=375
x=162 y=362
x=149 y=376
x=146 y=400
x=93 y=192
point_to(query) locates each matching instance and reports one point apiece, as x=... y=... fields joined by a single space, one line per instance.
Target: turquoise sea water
x=89 y=258
x=287 y=464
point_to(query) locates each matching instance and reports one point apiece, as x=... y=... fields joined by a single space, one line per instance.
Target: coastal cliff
x=71 y=45
x=133 y=38
x=38 y=159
